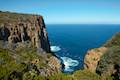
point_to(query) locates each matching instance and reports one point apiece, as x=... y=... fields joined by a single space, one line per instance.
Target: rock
x=114 y=41
x=25 y=48
x=55 y=64
x=47 y=67
x=92 y=57
x=105 y=61
x=19 y=28
x=109 y=64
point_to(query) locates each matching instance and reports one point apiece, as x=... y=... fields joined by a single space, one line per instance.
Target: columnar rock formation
x=22 y=28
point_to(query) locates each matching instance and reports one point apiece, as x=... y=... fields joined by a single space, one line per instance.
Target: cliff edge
x=93 y=57
x=25 y=49
x=16 y=29
x=105 y=60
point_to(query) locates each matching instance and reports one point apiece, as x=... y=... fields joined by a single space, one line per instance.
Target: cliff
x=93 y=57
x=16 y=29
x=24 y=48
x=25 y=53
x=27 y=64
x=105 y=60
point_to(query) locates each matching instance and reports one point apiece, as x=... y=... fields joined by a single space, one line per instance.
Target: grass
x=109 y=61
x=19 y=61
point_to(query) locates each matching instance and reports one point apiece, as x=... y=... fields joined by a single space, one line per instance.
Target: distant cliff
x=105 y=60
x=23 y=29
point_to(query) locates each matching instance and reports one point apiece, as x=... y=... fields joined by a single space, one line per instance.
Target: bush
x=61 y=76
x=109 y=65
x=86 y=75
x=115 y=41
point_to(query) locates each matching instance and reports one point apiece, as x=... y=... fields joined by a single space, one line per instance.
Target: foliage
x=15 y=66
x=86 y=75
x=110 y=62
x=78 y=75
x=8 y=17
x=115 y=41
x=19 y=63
x=61 y=76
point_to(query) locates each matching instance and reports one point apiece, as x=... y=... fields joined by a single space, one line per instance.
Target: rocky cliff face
x=105 y=60
x=93 y=57
x=24 y=48
x=18 y=29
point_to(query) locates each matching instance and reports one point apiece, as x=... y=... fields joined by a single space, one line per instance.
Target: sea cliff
x=16 y=29
x=25 y=53
x=24 y=48
x=105 y=60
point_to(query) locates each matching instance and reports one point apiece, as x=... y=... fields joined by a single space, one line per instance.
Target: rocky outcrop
x=26 y=64
x=93 y=57
x=109 y=64
x=18 y=29
x=105 y=60
x=23 y=38
x=55 y=64
x=114 y=41
x=50 y=66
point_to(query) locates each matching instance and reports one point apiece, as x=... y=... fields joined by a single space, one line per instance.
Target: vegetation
x=17 y=65
x=26 y=63
x=61 y=76
x=78 y=75
x=86 y=75
x=8 y=17
x=109 y=64
x=21 y=63
x=115 y=41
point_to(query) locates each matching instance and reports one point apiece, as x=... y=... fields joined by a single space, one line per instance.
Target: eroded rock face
x=93 y=57
x=24 y=40
x=53 y=66
x=21 y=28
x=105 y=61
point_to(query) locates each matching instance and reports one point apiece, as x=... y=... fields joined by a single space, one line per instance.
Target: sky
x=68 y=11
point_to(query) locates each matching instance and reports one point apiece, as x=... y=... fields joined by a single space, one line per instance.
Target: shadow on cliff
x=4 y=33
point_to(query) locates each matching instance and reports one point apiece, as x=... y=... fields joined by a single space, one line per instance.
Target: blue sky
x=68 y=11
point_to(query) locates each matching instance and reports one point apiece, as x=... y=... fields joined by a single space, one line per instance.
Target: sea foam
x=55 y=48
x=69 y=64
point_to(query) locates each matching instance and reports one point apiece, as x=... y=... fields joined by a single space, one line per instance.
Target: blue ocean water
x=71 y=42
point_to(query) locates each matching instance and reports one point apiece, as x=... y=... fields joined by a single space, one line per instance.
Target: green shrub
x=115 y=41
x=110 y=62
x=61 y=76
x=86 y=75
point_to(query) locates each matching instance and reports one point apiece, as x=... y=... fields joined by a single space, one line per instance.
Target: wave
x=69 y=64
x=55 y=48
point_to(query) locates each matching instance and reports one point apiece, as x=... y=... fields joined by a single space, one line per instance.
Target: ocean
x=70 y=42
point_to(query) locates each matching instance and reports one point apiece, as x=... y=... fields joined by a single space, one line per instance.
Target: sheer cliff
x=18 y=29
x=24 y=48
x=25 y=53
